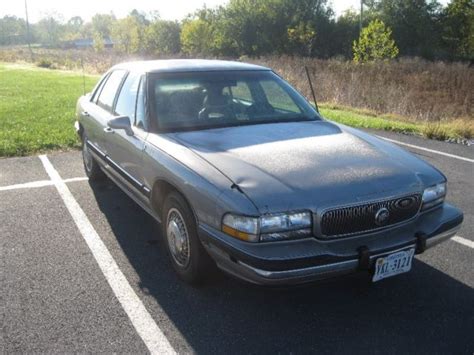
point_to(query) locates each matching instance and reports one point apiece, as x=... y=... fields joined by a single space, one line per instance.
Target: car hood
x=317 y=164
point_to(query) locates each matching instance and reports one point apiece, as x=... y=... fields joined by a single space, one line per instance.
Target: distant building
x=83 y=43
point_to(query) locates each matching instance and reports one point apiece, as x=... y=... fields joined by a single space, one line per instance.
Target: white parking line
x=144 y=324
x=463 y=241
x=76 y=179
x=39 y=183
x=428 y=150
x=28 y=185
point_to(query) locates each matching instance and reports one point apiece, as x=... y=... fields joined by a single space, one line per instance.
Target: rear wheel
x=92 y=168
x=190 y=261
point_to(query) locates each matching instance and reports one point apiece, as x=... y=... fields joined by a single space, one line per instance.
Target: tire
x=188 y=257
x=91 y=167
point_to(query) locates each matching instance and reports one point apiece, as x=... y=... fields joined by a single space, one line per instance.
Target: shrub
x=45 y=63
x=375 y=43
x=435 y=131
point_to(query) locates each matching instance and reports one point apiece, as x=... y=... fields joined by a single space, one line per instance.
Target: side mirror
x=121 y=122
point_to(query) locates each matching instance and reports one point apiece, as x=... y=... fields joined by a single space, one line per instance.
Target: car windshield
x=203 y=100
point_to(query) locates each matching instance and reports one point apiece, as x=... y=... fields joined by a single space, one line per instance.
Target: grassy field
x=37 y=111
x=408 y=87
x=37 y=108
x=363 y=118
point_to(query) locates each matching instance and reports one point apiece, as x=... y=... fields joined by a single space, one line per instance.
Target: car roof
x=186 y=65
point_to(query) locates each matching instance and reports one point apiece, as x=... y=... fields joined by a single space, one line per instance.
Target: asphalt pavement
x=56 y=295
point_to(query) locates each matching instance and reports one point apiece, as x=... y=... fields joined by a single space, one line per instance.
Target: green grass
x=457 y=128
x=37 y=108
x=355 y=119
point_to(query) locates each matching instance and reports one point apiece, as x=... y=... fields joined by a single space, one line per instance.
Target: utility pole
x=360 y=16
x=28 y=31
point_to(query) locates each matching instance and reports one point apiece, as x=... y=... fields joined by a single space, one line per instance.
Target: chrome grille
x=362 y=218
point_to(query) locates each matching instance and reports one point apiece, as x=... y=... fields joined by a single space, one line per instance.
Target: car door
x=98 y=111
x=125 y=152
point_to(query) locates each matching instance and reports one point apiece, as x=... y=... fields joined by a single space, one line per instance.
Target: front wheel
x=91 y=167
x=190 y=261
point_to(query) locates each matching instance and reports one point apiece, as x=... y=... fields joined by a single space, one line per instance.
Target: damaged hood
x=300 y=165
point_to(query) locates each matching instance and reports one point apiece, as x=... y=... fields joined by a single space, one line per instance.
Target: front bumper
x=78 y=129
x=307 y=260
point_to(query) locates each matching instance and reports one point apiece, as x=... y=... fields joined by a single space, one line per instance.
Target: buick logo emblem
x=381 y=217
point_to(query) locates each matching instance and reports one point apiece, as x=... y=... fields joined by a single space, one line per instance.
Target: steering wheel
x=222 y=111
x=260 y=108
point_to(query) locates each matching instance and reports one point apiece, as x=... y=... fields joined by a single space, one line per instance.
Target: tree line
x=251 y=28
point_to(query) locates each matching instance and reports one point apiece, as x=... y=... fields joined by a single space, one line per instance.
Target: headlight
x=433 y=195
x=241 y=227
x=268 y=227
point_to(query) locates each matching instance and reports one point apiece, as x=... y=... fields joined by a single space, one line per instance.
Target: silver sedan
x=244 y=174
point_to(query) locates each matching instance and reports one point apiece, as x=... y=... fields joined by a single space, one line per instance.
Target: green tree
x=76 y=22
x=128 y=35
x=375 y=43
x=345 y=31
x=73 y=29
x=458 y=29
x=98 y=42
x=12 y=30
x=163 y=37
x=140 y=17
x=246 y=25
x=415 y=25
x=49 y=30
x=302 y=37
x=259 y=27
x=313 y=20
x=102 y=24
x=197 y=37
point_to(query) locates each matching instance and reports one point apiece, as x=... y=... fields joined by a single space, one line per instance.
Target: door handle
x=108 y=130
x=85 y=113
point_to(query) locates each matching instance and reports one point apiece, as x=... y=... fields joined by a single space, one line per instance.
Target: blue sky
x=168 y=9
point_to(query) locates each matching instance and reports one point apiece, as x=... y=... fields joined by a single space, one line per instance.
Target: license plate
x=393 y=264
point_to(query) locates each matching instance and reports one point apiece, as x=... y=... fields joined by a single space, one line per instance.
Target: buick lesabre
x=244 y=174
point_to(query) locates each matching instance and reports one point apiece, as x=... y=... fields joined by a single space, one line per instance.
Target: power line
x=28 y=31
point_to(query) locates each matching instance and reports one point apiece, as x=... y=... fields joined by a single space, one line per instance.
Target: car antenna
x=83 y=77
x=311 y=87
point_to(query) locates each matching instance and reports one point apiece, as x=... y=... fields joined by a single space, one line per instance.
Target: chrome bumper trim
x=408 y=247
x=77 y=127
x=439 y=238
x=313 y=273
x=335 y=268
